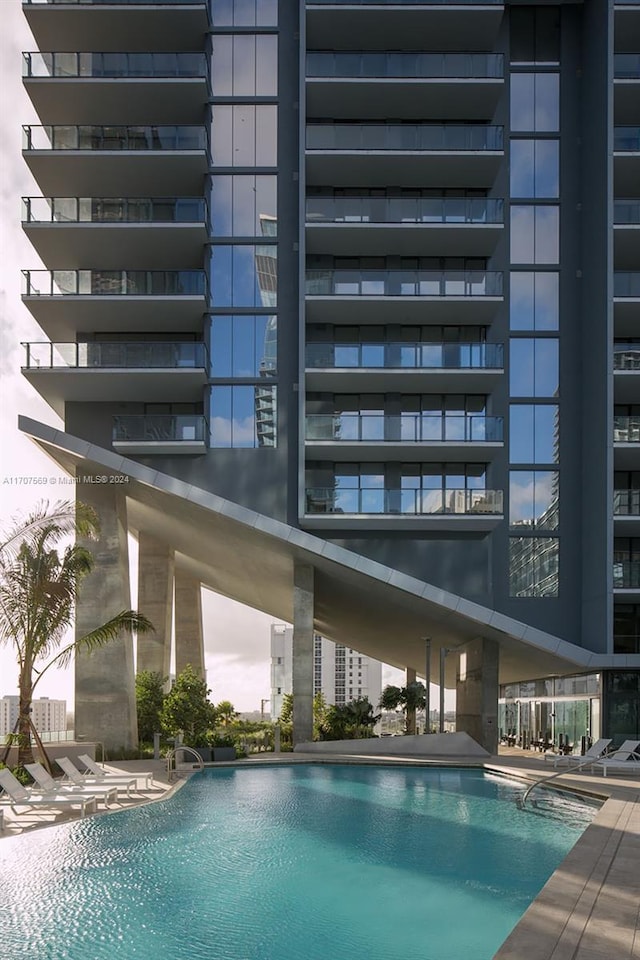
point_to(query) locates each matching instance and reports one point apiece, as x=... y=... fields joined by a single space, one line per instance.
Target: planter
x=205 y=753
x=223 y=753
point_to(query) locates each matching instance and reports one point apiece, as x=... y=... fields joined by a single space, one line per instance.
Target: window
x=244 y=275
x=535 y=102
x=533 y=433
x=534 y=367
x=535 y=234
x=533 y=499
x=534 y=301
x=244 y=135
x=244 y=345
x=244 y=13
x=533 y=566
x=243 y=416
x=535 y=168
x=535 y=34
x=244 y=206
x=244 y=65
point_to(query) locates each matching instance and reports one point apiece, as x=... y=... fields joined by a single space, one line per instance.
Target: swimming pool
x=321 y=862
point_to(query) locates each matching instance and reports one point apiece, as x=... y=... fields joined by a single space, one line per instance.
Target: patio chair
x=622 y=760
x=78 y=779
x=96 y=773
x=595 y=751
x=20 y=796
x=49 y=786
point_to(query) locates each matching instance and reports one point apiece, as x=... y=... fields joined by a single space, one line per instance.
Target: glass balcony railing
x=114 y=65
x=143 y=354
x=113 y=210
x=403 y=283
x=626 y=356
x=626 y=66
x=404 y=210
x=421 y=3
x=404 y=428
x=626 y=284
x=626 y=574
x=626 y=429
x=626 y=211
x=126 y=283
x=405 y=356
x=126 y=3
x=91 y=137
x=404 y=136
x=158 y=428
x=403 y=502
x=379 y=64
x=626 y=503
x=626 y=139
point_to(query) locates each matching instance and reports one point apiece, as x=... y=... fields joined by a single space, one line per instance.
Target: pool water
x=299 y=862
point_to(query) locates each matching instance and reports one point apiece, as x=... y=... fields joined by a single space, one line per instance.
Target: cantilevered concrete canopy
x=366 y=605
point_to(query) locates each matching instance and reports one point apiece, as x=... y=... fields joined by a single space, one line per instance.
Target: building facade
x=49 y=716
x=341 y=674
x=341 y=313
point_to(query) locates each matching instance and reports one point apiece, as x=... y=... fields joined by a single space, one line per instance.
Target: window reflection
x=243 y=346
x=535 y=234
x=244 y=65
x=244 y=13
x=535 y=168
x=533 y=566
x=535 y=102
x=533 y=433
x=533 y=499
x=534 y=301
x=534 y=367
x=535 y=34
x=244 y=135
x=243 y=416
x=244 y=275
x=241 y=204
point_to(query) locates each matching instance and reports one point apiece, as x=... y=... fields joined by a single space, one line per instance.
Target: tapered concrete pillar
x=105 y=708
x=189 y=635
x=302 y=653
x=155 y=601
x=410 y=677
x=477 y=692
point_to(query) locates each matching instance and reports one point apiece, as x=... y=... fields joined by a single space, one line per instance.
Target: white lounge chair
x=20 y=796
x=49 y=786
x=622 y=760
x=595 y=751
x=100 y=775
x=73 y=776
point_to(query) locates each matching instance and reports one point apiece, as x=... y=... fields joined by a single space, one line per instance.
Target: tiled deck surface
x=588 y=910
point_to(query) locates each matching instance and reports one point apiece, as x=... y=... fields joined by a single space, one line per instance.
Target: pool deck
x=589 y=909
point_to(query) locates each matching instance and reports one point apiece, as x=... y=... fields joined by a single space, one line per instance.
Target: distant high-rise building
x=49 y=716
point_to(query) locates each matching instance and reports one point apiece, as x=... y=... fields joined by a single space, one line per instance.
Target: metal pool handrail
x=583 y=763
x=171 y=760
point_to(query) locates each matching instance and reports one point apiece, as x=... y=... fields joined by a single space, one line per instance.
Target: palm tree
x=38 y=592
x=410 y=698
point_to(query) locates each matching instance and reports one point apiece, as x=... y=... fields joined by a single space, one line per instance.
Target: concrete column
x=477 y=691
x=155 y=601
x=189 y=635
x=410 y=677
x=302 y=653
x=105 y=708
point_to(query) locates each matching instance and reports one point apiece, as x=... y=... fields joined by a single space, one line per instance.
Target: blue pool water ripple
x=324 y=862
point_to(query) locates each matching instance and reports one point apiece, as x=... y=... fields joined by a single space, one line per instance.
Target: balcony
x=66 y=302
x=406 y=436
x=626 y=575
x=101 y=24
x=626 y=440
x=395 y=25
x=464 y=86
x=627 y=26
x=116 y=87
x=626 y=233
x=375 y=296
x=96 y=232
x=368 y=508
x=117 y=160
x=438 y=226
x=384 y=367
x=166 y=434
x=146 y=371
x=626 y=300
x=626 y=158
x=626 y=512
x=367 y=154
x=626 y=367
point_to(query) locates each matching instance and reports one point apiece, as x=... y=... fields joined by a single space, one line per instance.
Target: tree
x=226 y=712
x=186 y=709
x=351 y=721
x=286 y=713
x=149 y=699
x=409 y=699
x=319 y=713
x=39 y=587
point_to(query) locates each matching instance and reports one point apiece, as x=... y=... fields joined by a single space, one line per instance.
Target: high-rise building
x=340 y=673
x=341 y=314
x=49 y=716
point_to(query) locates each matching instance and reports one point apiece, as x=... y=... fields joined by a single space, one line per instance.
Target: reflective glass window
x=243 y=416
x=244 y=206
x=535 y=34
x=244 y=135
x=243 y=346
x=244 y=13
x=533 y=433
x=533 y=566
x=535 y=168
x=535 y=102
x=244 y=65
x=533 y=302
x=533 y=499
x=534 y=367
x=535 y=234
x=243 y=275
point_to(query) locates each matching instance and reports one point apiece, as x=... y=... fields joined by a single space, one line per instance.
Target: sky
x=236 y=637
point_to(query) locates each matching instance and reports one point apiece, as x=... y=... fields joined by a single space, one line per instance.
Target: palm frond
x=125 y=620
x=63 y=518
